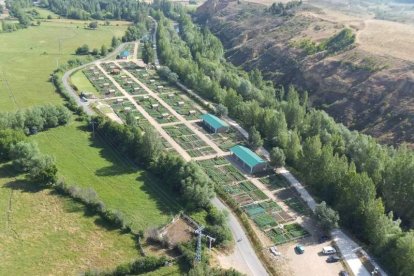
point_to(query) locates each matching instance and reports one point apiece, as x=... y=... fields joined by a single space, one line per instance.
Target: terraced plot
x=122 y=107
x=188 y=140
x=102 y=84
x=287 y=233
x=156 y=110
x=223 y=140
x=274 y=182
x=184 y=107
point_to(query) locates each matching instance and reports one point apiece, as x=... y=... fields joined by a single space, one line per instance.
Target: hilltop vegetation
x=366 y=91
x=348 y=170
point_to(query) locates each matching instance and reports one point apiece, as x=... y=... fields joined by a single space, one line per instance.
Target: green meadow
x=42 y=233
x=29 y=56
x=87 y=162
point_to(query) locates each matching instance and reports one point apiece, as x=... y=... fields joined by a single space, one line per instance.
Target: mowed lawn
x=82 y=83
x=29 y=56
x=44 y=234
x=95 y=164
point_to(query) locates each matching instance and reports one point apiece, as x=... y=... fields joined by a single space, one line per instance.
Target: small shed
x=250 y=160
x=214 y=124
x=171 y=95
x=124 y=54
x=180 y=103
x=119 y=100
x=192 y=112
x=127 y=108
x=154 y=105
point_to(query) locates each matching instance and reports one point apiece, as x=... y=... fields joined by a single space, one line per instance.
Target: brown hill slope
x=362 y=87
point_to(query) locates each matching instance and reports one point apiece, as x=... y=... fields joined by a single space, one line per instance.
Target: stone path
x=150 y=119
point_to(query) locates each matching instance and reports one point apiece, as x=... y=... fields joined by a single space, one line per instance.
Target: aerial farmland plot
x=155 y=109
x=188 y=140
x=183 y=106
x=122 y=107
x=224 y=140
x=102 y=84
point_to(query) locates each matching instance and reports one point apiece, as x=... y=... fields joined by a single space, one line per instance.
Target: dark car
x=333 y=259
x=299 y=249
x=343 y=273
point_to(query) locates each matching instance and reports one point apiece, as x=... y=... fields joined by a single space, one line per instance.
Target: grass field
x=44 y=234
x=87 y=163
x=28 y=57
x=82 y=83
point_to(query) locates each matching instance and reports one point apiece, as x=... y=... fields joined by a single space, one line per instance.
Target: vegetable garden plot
x=243 y=199
x=111 y=68
x=102 y=84
x=223 y=140
x=189 y=141
x=130 y=66
x=129 y=85
x=296 y=204
x=252 y=191
x=123 y=106
x=287 y=233
x=184 y=107
x=274 y=181
x=156 y=110
x=260 y=216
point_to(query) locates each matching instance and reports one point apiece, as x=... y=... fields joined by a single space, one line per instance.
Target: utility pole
x=200 y=234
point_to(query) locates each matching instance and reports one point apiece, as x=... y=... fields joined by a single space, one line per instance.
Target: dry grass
x=44 y=234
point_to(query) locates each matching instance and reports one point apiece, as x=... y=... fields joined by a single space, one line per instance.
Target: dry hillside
x=369 y=86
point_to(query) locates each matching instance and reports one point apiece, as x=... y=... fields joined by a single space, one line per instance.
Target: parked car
x=343 y=273
x=328 y=250
x=333 y=259
x=274 y=251
x=299 y=249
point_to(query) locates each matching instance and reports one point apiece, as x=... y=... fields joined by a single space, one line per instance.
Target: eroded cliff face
x=365 y=91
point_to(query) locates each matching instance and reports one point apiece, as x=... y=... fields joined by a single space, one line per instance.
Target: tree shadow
x=165 y=199
x=8 y=171
x=24 y=186
x=111 y=154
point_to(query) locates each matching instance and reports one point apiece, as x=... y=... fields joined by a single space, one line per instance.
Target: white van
x=328 y=250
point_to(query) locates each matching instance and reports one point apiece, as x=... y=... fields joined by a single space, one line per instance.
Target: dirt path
x=135 y=55
x=155 y=124
x=201 y=135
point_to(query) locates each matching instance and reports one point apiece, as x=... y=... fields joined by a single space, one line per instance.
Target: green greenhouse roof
x=247 y=156
x=214 y=121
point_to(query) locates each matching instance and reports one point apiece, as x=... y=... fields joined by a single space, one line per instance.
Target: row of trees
x=284 y=9
x=185 y=179
x=35 y=119
x=365 y=182
x=97 y=9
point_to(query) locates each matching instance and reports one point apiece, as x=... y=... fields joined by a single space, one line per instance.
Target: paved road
x=154 y=42
x=244 y=256
x=65 y=79
x=243 y=249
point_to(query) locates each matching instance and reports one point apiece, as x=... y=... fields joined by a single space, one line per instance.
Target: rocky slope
x=364 y=90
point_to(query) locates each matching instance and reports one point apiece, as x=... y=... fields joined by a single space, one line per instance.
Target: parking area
x=312 y=261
